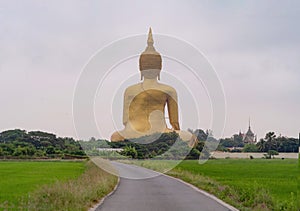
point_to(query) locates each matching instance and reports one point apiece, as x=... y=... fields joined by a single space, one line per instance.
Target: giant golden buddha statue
x=145 y=102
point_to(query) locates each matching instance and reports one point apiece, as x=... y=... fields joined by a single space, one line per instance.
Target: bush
x=130 y=152
x=272 y=153
x=250 y=148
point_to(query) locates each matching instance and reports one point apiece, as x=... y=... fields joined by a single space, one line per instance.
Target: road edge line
x=94 y=207
x=230 y=207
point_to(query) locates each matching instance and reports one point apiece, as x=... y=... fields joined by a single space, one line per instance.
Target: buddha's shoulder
x=166 y=88
x=133 y=88
x=160 y=86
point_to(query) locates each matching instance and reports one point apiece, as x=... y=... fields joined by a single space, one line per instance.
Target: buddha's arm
x=125 y=108
x=173 y=110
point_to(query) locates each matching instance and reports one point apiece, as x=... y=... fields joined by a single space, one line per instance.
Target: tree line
x=37 y=144
x=156 y=146
x=269 y=142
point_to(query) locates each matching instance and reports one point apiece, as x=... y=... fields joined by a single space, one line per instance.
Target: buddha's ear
x=142 y=75
x=158 y=76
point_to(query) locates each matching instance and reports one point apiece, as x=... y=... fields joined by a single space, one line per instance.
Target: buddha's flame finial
x=150 y=48
x=150 y=38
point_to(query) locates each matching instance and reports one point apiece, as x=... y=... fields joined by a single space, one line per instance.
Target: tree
x=199 y=146
x=12 y=135
x=40 y=135
x=30 y=150
x=200 y=134
x=261 y=145
x=285 y=144
x=222 y=148
x=19 y=151
x=272 y=153
x=194 y=154
x=39 y=153
x=270 y=141
x=129 y=151
x=238 y=140
x=270 y=136
x=17 y=143
x=250 y=148
x=50 y=150
x=227 y=142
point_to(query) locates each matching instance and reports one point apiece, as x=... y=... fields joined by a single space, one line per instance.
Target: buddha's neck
x=150 y=82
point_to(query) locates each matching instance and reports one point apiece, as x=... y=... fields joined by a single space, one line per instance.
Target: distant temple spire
x=249 y=136
x=249 y=123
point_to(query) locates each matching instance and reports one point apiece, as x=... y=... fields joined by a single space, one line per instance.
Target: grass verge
x=245 y=184
x=78 y=193
x=18 y=178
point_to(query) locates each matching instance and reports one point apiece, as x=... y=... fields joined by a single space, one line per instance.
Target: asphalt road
x=157 y=193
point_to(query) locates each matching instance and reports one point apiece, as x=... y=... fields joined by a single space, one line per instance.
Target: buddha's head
x=150 y=60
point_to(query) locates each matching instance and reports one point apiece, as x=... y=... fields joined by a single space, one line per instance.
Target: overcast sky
x=253 y=45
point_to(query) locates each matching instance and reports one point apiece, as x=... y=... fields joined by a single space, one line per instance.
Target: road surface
x=158 y=193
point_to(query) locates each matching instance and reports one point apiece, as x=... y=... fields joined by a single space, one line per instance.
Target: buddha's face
x=150 y=73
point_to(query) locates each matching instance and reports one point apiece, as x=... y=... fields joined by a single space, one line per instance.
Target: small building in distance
x=249 y=137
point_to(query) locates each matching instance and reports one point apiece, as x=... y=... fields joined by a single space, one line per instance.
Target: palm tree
x=270 y=136
x=271 y=143
x=261 y=145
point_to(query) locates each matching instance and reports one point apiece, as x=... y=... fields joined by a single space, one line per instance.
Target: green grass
x=50 y=186
x=257 y=184
x=20 y=178
x=279 y=177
